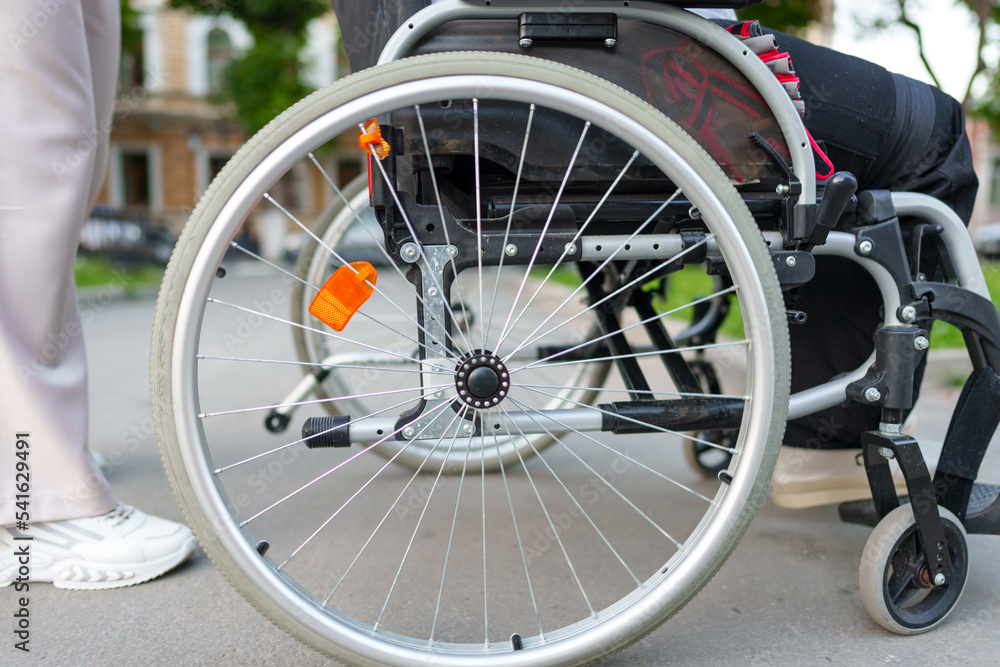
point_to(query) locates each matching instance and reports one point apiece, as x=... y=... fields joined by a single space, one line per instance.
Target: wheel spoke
x=517 y=533
x=355 y=495
x=548 y=517
x=337 y=467
x=423 y=512
x=479 y=210
x=250 y=253
x=451 y=534
x=325 y=333
x=612 y=486
x=510 y=219
x=901 y=587
x=338 y=427
x=413 y=477
x=315 y=401
x=644 y=322
x=531 y=338
x=541 y=235
x=684 y=436
x=391 y=262
x=583 y=512
x=486 y=606
x=320 y=364
x=413 y=234
x=375 y=288
x=576 y=238
x=440 y=203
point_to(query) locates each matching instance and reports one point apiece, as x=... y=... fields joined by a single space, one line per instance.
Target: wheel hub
x=481 y=379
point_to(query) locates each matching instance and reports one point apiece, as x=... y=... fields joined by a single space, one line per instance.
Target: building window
x=130 y=74
x=348 y=169
x=135 y=179
x=215 y=165
x=220 y=52
x=995 y=182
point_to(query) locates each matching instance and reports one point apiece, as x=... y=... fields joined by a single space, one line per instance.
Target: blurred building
x=986 y=154
x=171 y=136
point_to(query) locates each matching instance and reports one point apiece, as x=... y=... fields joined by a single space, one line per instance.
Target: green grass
x=101 y=272
x=686 y=285
x=691 y=283
x=944 y=335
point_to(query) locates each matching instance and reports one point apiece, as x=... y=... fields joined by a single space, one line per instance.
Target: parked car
x=987 y=240
x=126 y=236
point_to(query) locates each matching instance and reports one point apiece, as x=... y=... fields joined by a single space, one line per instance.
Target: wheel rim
x=656 y=589
x=910 y=602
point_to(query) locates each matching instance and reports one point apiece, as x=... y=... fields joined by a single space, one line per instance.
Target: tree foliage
x=791 y=16
x=131 y=32
x=265 y=79
x=984 y=14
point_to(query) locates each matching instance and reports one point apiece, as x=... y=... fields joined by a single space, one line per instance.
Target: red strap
x=823 y=156
x=773 y=54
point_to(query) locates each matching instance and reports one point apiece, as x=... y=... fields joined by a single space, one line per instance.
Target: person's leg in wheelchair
x=891 y=132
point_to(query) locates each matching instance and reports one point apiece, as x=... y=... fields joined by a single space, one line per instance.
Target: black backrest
x=366 y=25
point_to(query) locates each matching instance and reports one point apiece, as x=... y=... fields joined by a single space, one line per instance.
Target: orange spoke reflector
x=344 y=294
x=371 y=140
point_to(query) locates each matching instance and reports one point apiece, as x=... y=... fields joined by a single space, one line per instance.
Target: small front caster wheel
x=897 y=586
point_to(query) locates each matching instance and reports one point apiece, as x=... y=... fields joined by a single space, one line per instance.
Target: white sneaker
x=121 y=548
x=815 y=477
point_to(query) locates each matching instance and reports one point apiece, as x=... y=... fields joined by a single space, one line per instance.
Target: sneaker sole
x=81 y=575
x=802 y=495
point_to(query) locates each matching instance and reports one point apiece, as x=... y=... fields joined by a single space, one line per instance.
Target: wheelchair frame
x=968 y=272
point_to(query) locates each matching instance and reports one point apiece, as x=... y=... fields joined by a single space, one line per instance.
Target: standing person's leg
x=50 y=145
x=59 y=79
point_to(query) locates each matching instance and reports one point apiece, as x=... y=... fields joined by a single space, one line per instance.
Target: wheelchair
x=452 y=431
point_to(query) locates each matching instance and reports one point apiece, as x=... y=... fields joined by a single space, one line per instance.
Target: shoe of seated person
x=121 y=548
x=815 y=477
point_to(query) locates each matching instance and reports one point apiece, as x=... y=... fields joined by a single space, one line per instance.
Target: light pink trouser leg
x=58 y=74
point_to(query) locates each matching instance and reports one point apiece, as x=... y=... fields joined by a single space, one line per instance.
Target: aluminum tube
x=528 y=423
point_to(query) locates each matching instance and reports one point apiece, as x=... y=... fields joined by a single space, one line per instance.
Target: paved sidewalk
x=787 y=596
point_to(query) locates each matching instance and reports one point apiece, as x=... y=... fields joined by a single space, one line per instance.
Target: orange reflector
x=371 y=140
x=344 y=294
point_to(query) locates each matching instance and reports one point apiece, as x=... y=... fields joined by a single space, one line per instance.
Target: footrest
x=862 y=512
x=981 y=518
x=983 y=515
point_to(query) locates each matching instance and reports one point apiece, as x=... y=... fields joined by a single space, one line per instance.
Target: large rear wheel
x=504 y=271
